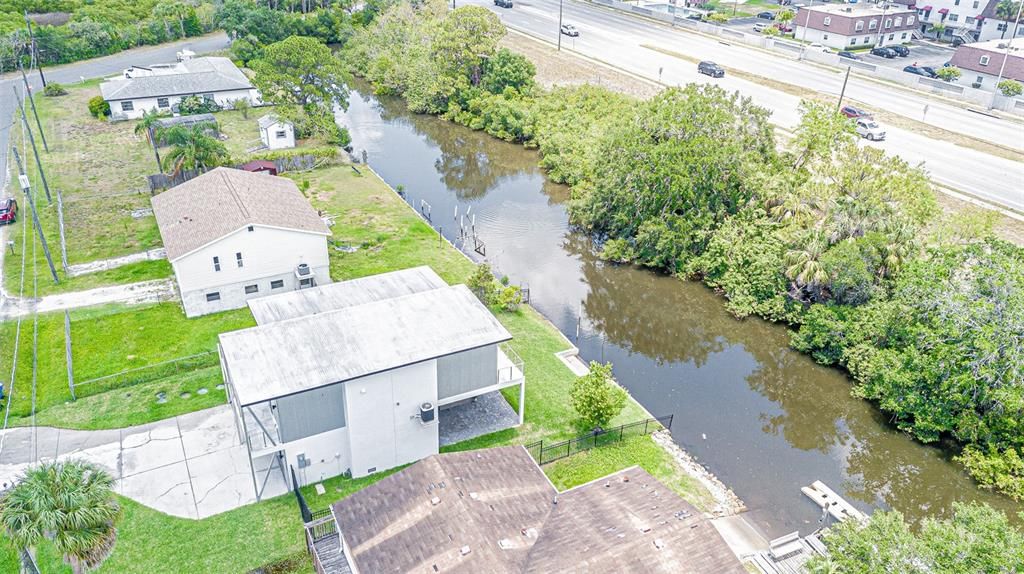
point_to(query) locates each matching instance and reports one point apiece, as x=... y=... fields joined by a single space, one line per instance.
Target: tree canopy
x=301 y=70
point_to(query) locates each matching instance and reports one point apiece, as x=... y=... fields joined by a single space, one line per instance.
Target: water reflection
x=761 y=416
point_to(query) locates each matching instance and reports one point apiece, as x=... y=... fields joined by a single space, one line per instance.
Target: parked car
x=8 y=210
x=570 y=30
x=816 y=47
x=919 y=71
x=503 y=3
x=901 y=51
x=849 y=55
x=883 y=52
x=760 y=27
x=855 y=113
x=711 y=69
x=766 y=15
x=784 y=28
x=931 y=71
x=868 y=129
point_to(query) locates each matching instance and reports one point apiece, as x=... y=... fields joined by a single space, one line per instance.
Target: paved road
x=89 y=69
x=619 y=39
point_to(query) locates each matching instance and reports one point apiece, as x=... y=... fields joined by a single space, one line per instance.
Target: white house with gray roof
x=233 y=235
x=162 y=86
x=359 y=376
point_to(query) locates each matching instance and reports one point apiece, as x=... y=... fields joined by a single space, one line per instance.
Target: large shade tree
x=70 y=504
x=301 y=70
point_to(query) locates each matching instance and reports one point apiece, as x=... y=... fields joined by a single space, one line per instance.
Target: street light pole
x=1006 y=56
x=807 y=21
x=559 y=25
x=842 y=93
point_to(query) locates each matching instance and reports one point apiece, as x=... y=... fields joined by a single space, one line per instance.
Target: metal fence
x=145 y=374
x=546 y=453
x=60 y=228
x=28 y=563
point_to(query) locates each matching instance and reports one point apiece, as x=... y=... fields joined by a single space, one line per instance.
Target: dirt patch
x=565 y=68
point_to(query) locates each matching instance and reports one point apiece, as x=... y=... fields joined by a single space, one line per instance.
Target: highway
x=619 y=39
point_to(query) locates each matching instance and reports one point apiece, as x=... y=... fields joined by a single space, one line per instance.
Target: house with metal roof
x=365 y=375
x=495 y=511
x=234 y=235
x=163 y=86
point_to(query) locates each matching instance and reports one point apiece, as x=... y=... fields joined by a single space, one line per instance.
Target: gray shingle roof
x=287 y=357
x=197 y=76
x=497 y=504
x=224 y=200
x=342 y=294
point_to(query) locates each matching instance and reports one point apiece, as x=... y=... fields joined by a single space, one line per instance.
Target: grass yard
x=108 y=340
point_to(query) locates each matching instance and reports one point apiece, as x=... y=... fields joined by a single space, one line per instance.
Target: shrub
x=190 y=105
x=99 y=107
x=949 y=73
x=54 y=89
x=1010 y=88
x=596 y=397
x=482 y=283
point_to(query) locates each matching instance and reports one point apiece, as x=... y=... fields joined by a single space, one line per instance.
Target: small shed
x=276 y=133
x=260 y=166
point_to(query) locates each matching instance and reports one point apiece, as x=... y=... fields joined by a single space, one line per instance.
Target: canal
x=762 y=417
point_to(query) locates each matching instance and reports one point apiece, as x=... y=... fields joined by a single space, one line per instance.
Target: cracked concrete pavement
x=190 y=466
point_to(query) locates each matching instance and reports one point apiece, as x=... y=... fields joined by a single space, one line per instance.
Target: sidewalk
x=191 y=466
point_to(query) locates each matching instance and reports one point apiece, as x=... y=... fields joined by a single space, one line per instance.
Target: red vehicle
x=852 y=112
x=8 y=210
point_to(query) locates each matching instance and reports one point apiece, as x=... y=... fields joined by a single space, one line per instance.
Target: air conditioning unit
x=426 y=413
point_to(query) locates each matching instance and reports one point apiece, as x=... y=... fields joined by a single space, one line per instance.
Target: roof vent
x=504 y=544
x=474 y=496
x=659 y=543
x=435 y=501
x=464 y=550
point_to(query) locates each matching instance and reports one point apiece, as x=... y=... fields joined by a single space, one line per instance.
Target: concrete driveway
x=191 y=466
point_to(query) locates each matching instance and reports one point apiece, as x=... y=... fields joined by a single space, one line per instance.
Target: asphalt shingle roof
x=197 y=76
x=224 y=200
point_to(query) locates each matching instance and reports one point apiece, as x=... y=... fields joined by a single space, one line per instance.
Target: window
x=215 y=296
x=888 y=23
x=163 y=103
x=979 y=80
x=208 y=98
x=277 y=284
x=250 y=229
x=975 y=3
x=238 y=259
x=956 y=2
x=903 y=36
x=1001 y=27
x=970 y=20
x=216 y=263
x=910 y=20
x=983 y=61
x=953 y=17
x=867 y=39
x=827 y=21
x=859 y=26
x=891 y=36
x=127 y=106
x=824 y=36
x=280 y=134
x=250 y=289
x=872 y=24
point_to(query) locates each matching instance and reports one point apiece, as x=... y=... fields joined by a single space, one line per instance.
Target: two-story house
x=963 y=21
x=233 y=235
x=845 y=26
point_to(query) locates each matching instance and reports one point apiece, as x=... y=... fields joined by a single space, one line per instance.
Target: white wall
x=379 y=408
x=840 y=42
x=141 y=105
x=267 y=254
x=270 y=139
x=328 y=452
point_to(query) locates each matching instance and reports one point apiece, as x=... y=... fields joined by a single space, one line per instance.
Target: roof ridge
x=235 y=197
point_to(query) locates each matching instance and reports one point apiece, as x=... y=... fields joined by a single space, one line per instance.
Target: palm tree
x=899 y=247
x=1006 y=10
x=69 y=503
x=804 y=268
x=193 y=149
x=148 y=122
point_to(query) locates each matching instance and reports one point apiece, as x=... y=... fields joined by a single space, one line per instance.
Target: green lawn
x=107 y=340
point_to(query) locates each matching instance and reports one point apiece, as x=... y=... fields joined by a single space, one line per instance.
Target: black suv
x=883 y=52
x=920 y=71
x=901 y=51
x=711 y=69
x=503 y=3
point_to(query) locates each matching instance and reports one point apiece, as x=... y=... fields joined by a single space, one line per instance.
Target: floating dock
x=826 y=498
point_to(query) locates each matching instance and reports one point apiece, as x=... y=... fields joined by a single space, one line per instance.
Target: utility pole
x=23 y=180
x=35 y=51
x=843 y=92
x=32 y=140
x=559 y=25
x=32 y=102
x=1006 y=56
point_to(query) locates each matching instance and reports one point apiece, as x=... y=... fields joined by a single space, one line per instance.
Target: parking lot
x=921 y=53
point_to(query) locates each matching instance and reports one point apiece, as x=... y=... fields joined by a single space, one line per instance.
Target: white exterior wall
x=990 y=31
x=145 y=104
x=328 y=453
x=841 y=42
x=270 y=139
x=268 y=254
x=380 y=409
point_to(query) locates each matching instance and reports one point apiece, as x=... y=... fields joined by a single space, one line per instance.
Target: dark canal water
x=762 y=417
